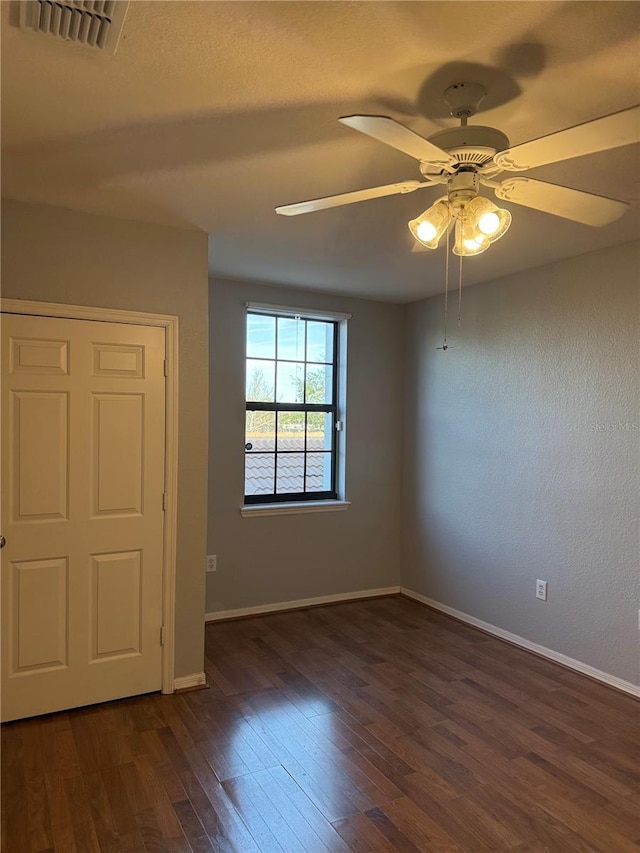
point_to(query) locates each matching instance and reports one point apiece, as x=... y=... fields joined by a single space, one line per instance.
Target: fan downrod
x=473 y=146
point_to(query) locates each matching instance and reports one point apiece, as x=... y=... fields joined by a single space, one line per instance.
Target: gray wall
x=56 y=255
x=508 y=475
x=515 y=465
x=280 y=558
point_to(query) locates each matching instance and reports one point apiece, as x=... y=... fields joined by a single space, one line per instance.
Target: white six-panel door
x=83 y=414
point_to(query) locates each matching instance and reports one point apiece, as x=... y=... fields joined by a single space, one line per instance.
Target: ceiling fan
x=467 y=157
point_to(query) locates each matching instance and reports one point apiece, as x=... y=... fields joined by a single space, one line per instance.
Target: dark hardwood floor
x=376 y=725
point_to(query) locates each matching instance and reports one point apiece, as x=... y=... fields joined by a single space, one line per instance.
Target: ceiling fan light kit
x=479 y=222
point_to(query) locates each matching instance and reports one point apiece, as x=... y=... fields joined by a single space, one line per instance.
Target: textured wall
x=522 y=453
x=280 y=558
x=56 y=255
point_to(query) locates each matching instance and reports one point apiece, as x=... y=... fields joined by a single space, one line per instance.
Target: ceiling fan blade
x=350 y=198
x=601 y=134
x=399 y=137
x=561 y=201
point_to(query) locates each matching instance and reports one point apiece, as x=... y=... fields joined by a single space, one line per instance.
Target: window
x=292 y=398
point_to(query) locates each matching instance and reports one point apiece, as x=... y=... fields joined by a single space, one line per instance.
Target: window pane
x=261 y=336
x=259 y=473
x=318 y=472
x=319 y=384
x=290 y=382
x=319 y=341
x=290 y=473
x=260 y=432
x=260 y=381
x=291 y=338
x=319 y=431
x=290 y=431
x=289 y=365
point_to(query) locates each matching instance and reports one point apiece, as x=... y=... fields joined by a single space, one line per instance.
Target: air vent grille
x=93 y=23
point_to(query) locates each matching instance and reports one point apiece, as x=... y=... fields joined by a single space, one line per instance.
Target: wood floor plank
x=131 y=842
x=61 y=822
x=123 y=814
x=302 y=754
x=86 y=838
x=151 y=834
x=196 y=795
x=602 y=834
x=361 y=835
x=297 y=798
x=141 y=787
x=192 y=827
x=317 y=737
x=14 y=790
x=224 y=826
x=101 y=812
x=318 y=786
x=299 y=833
x=365 y=741
x=387 y=828
x=511 y=786
x=371 y=726
x=266 y=827
x=420 y=828
x=37 y=812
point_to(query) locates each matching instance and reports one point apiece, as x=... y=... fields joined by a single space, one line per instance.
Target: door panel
x=111 y=360
x=39 y=618
x=117 y=601
x=118 y=443
x=38 y=467
x=83 y=407
x=39 y=356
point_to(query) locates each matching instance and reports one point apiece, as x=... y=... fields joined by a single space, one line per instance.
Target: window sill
x=252 y=510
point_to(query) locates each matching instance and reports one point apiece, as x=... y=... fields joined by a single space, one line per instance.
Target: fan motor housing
x=462 y=187
x=473 y=144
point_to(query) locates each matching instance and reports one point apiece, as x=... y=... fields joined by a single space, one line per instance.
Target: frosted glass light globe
x=426 y=231
x=472 y=244
x=489 y=223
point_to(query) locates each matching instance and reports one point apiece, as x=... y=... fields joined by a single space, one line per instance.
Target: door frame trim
x=170 y=324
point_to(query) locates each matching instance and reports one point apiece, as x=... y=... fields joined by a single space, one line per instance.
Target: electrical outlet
x=212 y=563
x=541 y=590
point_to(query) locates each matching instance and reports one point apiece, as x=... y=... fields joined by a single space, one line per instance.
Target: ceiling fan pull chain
x=445 y=346
x=460 y=292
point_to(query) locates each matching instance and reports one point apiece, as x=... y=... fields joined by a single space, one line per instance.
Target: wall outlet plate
x=212 y=563
x=541 y=590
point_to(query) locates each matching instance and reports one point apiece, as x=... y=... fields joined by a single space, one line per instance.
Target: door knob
x=3 y=541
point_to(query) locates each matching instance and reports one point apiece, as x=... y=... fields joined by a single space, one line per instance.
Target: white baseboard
x=196 y=679
x=260 y=609
x=543 y=651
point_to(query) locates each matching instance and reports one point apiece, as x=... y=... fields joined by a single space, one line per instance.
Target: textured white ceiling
x=213 y=113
